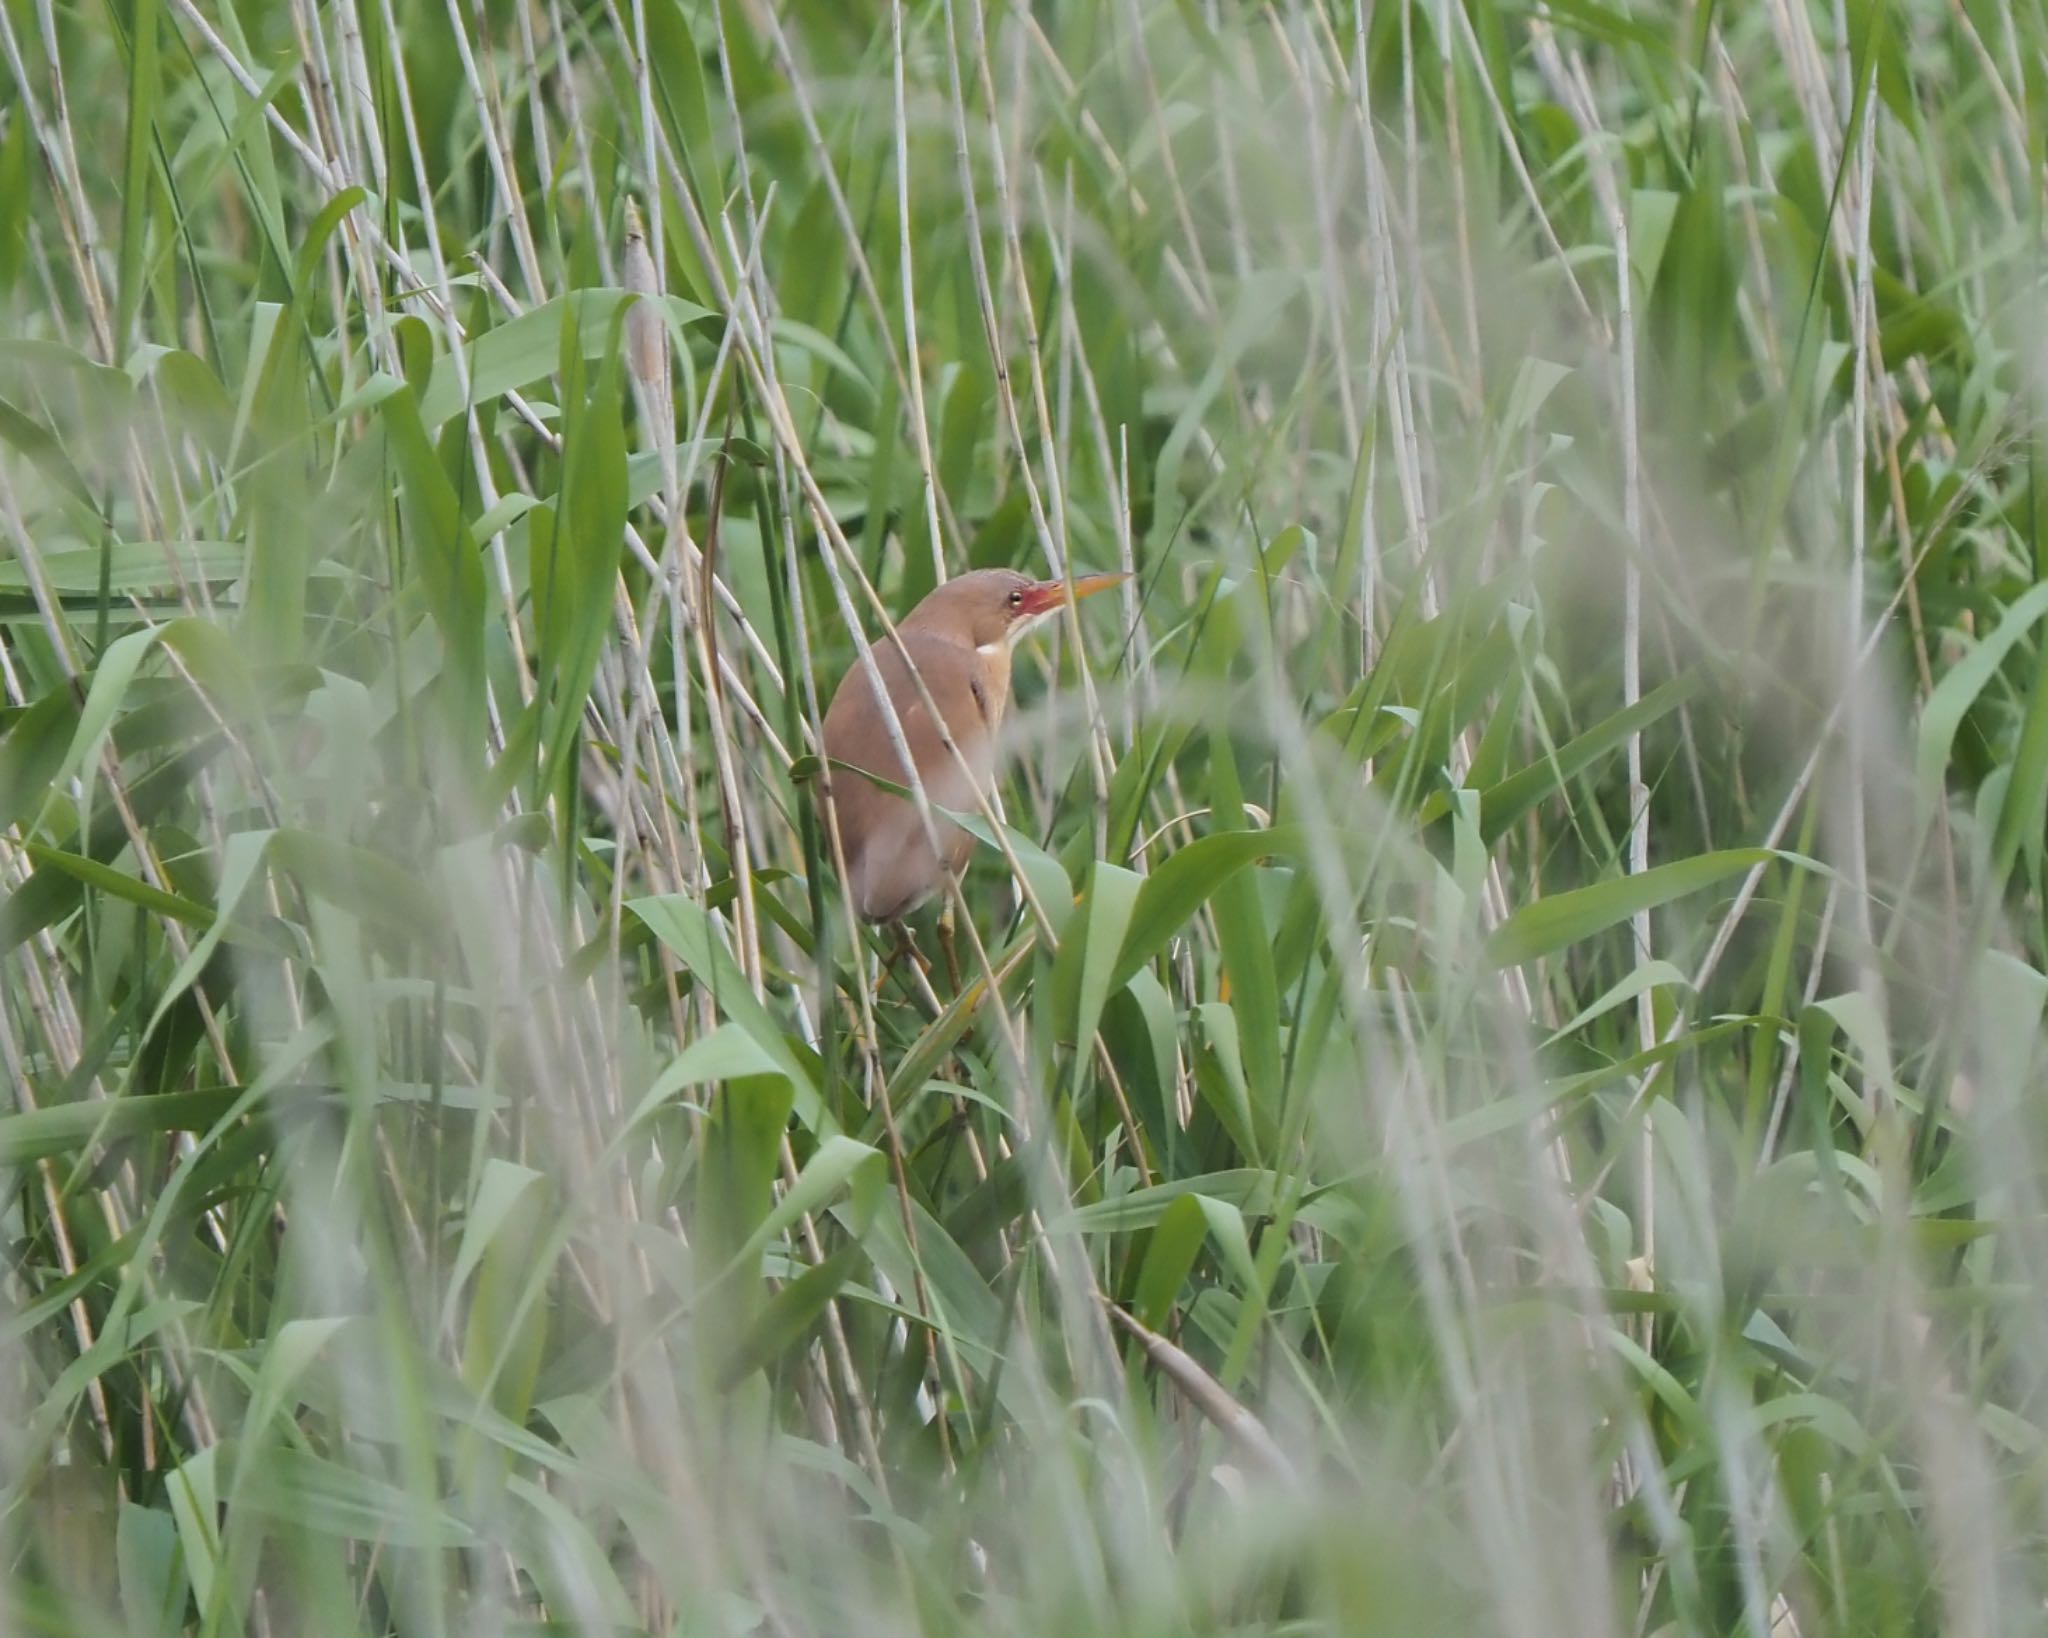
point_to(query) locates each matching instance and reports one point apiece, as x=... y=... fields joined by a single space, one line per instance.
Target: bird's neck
x=992 y=673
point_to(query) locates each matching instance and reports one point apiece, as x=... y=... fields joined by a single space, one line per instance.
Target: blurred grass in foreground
x=1496 y=1083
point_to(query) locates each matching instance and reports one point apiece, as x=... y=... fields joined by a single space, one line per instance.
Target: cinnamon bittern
x=959 y=640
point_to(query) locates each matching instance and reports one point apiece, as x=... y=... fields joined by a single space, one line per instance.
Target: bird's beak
x=1048 y=595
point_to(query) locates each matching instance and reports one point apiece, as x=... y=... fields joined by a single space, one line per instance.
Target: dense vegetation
x=1490 y=1082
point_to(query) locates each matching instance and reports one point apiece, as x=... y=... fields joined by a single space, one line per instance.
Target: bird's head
x=993 y=608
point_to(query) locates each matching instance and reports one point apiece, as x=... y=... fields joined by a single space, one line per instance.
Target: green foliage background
x=1491 y=1082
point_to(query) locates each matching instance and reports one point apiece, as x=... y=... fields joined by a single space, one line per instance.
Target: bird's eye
x=1016 y=599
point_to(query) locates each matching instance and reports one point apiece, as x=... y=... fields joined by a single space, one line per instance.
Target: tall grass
x=1493 y=1084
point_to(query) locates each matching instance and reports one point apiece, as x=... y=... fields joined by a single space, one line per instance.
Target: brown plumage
x=959 y=639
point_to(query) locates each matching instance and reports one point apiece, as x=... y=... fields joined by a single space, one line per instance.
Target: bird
x=959 y=639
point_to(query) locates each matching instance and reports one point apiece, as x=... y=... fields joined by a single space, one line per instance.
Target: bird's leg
x=901 y=944
x=945 y=930
x=918 y=982
x=890 y=957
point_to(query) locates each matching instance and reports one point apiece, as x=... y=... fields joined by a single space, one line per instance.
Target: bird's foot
x=901 y=945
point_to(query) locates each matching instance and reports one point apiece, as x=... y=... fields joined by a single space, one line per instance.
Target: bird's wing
x=857 y=733
x=889 y=855
x=950 y=675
